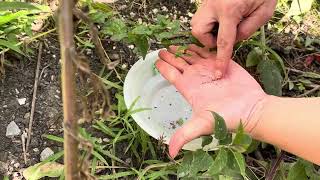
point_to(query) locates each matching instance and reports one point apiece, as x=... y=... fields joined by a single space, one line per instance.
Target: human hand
x=234 y=97
x=238 y=20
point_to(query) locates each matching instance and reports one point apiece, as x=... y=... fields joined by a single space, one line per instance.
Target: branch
x=68 y=89
x=94 y=35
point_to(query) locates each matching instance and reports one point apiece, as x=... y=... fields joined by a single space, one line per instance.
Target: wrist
x=257 y=113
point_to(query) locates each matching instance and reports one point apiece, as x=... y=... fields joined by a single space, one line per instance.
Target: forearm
x=292 y=124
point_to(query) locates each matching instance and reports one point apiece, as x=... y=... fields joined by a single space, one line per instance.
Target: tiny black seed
x=155 y=107
x=170 y=104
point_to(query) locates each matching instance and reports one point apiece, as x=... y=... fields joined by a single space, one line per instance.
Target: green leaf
x=12 y=16
x=117 y=29
x=53 y=138
x=253 y=146
x=7 y=6
x=206 y=140
x=297 y=172
x=220 y=127
x=241 y=162
x=102 y=7
x=227 y=140
x=193 y=162
x=270 y=77
x=40 y=170
x=254 y=57
x=241 y=141
x=10 y=45
x=141 y=30
x=118 y=175
x=311 y=75
x=223 y=177
x=219 y=163
x=299 y=7
x=142 y=45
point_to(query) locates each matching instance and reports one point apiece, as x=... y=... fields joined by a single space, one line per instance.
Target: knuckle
x=243 y=34
x=222 y=43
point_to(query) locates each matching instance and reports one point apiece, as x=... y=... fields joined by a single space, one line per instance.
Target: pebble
x=139 y=21
x=114 y=47
x=124 y=66
x=27 y=115
x=47 y=152
x=190 y=14
x=164 y=8
x=54 y=56
x=132 y=14
x=5 y=106
x=22 y=101
x=36 y=150
x=16 y=165
x=131 y=46
x=114 y=56
x=12 y=129
x=106 y=140
x=56 y=96
x=17 y=91
x=155 y=11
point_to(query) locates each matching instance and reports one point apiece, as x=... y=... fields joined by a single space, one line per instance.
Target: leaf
x=102 y=7
x=117 y=29
x=299 y=7
x=7 y=6
x=220 y=127
x=270 y=77
x=10 y=45
x=193 y=162
x=311 y=75
x=291 y=85
x=206 y=140
x=141 y=30
x=241 y=162
x=53 y=138
x=241 y=141
x=297 y=172
x=12 y=16
x=142 y=45
x=253 y=146
x=40 y=170
x=219 y=163
x=118 y=175
x=227 y=140
x=254 y=57
x=223 y=177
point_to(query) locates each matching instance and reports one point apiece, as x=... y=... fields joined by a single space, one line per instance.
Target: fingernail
x=218 y=74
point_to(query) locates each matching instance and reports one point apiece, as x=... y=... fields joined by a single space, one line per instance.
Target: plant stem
x=68 y=90
x=263 y=42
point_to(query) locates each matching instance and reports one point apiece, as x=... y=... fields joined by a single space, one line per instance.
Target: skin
x=238 y=20
x=237 y=97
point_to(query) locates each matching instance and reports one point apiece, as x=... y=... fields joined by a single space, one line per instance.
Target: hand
x=233 y=97
x=238 y=20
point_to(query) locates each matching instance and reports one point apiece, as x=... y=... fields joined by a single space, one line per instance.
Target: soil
x=19 y=81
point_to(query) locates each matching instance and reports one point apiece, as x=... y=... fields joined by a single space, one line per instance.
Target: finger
x=202 y=52
x=252 y=23
x=202 y=24
x=170 y=58
x=190 y=56
x=167 y=71
x=226 y=39
x=191 y=130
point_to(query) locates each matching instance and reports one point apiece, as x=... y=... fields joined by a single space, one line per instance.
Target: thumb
x=194 y=128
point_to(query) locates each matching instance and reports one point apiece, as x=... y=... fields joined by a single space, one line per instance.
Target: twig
x=274 y=167
x=33 y=104
x=309 y=92
x=68 y=56
x=23 y=141
x=94 y=35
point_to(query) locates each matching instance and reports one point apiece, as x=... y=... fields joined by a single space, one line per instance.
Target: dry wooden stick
x=68 y=56
x=34 y=96
x=94 y=35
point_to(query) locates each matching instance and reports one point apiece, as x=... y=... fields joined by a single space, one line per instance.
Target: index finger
x=227 y=35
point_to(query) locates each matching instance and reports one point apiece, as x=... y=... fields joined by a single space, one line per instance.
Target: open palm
x=233 y=97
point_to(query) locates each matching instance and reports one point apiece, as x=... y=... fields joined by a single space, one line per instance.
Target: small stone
x=52 y=77
x=58 y=91
x=124 y=66
x=54 y=56
x=114 y=47
x=27 y=115
x=132 y=14
x=12 y=129
x=17 y=92
x=164 y=8
x=139 y=21
x=16 y=165
x=131 y=46
x=5 y=106
x=106 y=140
x=47 y=152
x=114 y=56
x=22 y=101
x=56 y=96
x=190 y=14
x=128 y=161
x=155 y=11
x=35 y=150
